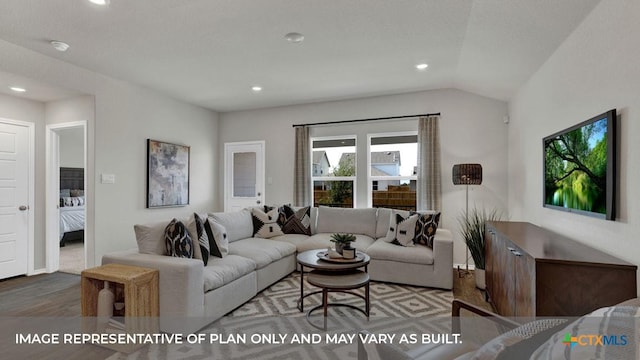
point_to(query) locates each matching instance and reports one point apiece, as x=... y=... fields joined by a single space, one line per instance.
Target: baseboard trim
x=464 y=266
x=38 y=272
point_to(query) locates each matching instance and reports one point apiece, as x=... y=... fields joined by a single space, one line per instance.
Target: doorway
x=244 y=175
x=66 y=200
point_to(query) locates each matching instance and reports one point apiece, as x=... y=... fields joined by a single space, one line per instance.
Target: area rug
x=72 y=258
x=273 y=314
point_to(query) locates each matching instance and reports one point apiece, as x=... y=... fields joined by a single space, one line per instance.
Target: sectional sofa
x=193 y=295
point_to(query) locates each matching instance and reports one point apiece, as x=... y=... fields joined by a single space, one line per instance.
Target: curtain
x=302 y=168
x=429 y=187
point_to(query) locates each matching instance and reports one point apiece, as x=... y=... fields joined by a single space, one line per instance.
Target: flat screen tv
x=580 y=167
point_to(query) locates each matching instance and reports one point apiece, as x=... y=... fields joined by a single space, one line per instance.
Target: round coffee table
x=333 y=276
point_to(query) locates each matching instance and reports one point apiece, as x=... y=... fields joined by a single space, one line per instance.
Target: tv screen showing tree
x=578 y=167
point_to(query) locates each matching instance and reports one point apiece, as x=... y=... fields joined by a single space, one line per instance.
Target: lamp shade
x=467 y=174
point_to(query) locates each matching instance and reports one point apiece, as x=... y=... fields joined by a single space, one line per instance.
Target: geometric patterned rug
x=395 y=309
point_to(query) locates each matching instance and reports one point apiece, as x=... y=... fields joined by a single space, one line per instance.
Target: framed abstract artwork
x=167 y=174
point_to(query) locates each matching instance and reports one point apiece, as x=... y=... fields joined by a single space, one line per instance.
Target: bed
x=71 y=204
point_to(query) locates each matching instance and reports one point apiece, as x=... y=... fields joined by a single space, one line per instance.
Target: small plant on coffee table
x=342 y=241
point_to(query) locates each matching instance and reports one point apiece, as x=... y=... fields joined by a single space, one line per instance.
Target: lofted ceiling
x=211 y=52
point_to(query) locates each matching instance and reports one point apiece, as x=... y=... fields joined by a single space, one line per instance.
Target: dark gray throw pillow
x=177 y=240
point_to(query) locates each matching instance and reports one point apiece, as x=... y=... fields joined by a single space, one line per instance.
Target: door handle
x=258 y=202
x=23 y=208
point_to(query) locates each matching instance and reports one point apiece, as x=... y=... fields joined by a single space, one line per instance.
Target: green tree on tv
x=576 y=164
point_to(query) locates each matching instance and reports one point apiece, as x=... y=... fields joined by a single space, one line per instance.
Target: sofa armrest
x=443 y=258
x=181 y=282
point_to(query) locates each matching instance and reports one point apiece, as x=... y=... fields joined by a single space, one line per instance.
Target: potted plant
x=342 y=241
x=472 y=228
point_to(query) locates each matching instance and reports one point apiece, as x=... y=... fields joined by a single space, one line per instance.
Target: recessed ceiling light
x=100 y=2
x=256 y=88
x=59 y=45
x=422 y=66
x=17 y=89
x=294 y=37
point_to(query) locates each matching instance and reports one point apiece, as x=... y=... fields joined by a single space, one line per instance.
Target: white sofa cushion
x=293 y=239
x=342 y=220
x=238 y=224
x=262 y=251
x=221 y=271
x=323 y=241
x=419 y=254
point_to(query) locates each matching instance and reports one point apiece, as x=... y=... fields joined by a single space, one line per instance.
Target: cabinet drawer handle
x=511 y=249
x=517 y=253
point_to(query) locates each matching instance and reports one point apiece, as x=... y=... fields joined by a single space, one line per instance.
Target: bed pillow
x=73 y=201
x=177 y=240
x=76 y=192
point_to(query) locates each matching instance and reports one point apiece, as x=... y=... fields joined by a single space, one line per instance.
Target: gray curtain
x=429 y=187
x=302 y=168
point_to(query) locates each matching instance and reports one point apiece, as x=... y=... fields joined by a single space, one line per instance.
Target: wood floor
x=26 y=300
x=58 y=294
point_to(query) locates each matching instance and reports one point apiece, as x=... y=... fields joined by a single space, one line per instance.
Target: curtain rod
x=370 y=119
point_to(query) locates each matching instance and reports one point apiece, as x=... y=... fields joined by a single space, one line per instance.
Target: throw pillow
x=265 y=222
x=177 y=240
x=426 y=227
x=197 y=231
x=218 y=239
x=405 y=229
x=295 y=221
x=150 y=238
x=401 y=228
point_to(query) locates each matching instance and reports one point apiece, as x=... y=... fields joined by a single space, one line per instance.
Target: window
x=334 y=171
x=393 y=167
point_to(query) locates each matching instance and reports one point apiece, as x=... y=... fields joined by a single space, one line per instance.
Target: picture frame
x=167 y=174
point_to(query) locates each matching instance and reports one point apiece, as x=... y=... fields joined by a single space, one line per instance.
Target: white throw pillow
x=402 y=227
x=265 y=224
x=406 y=230
x=220 y=238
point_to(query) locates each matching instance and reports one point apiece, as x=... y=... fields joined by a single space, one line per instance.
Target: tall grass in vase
x=472 y=228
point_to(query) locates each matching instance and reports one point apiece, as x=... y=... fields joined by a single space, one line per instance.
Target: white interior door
x=244 y=175
x=14 y=199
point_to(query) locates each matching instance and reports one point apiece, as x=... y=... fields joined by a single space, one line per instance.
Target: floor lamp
x=467 y=174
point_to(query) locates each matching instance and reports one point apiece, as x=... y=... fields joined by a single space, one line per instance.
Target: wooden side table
x=136 y=286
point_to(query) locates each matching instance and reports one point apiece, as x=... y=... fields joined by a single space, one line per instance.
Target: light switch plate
x=108 y=178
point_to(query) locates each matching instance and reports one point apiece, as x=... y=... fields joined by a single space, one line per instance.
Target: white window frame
x=353 y=179
x=370 y=178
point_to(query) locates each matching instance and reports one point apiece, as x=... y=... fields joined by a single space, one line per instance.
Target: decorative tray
x=323 y=255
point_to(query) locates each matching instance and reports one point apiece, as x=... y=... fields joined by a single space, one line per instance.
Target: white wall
x=125 y=116
x=471 y=130
x=595 y=70
x=71 y=147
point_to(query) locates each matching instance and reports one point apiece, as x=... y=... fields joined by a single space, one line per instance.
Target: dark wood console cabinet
x=534 y=272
